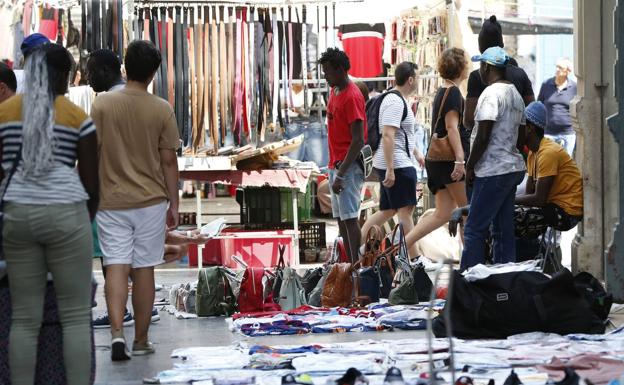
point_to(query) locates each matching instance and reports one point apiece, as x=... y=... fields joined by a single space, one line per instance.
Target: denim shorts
x=346 y=205
x=314 y=147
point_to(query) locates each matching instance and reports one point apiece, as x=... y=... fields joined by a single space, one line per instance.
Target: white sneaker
x=143 y=350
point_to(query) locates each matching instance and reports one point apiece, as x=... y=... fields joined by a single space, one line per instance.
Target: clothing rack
x=263 y=4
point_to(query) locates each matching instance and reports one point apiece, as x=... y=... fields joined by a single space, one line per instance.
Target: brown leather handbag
x=338 y=286
x=440 y=149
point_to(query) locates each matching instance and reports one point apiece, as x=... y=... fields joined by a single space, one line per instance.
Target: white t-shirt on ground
x=502 y=104
x=390 y=114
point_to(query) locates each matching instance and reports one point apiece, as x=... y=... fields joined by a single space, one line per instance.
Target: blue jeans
x=314 y=147
x=346 y=205
x=567 y=141
x=492 y=202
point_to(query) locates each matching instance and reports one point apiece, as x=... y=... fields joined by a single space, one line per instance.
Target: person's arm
x=469 y=111
x=388 y=137
x=190 y=237
x=479 y=146
x=530 y=186
x=539 y=197
x=541 y=96
x=88 y=170
x=169 y=165
x=451 y=121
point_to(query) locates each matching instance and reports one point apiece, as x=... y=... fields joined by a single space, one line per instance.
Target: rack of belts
x=227 y=72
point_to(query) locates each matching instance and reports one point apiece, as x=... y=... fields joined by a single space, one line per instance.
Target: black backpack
x=372 y=119
x=505 y=304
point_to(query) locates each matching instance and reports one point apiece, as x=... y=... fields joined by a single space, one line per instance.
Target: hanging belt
x=251 y=74
x=193 y=81
x=246 y=51
x=238 y=76
x=231 y=69
x=179 y=69
x=283 y=94
x=185 y=79
x=291 y=43
x=215 y=38
x=170 y=84
x=136 y=28
x=163 y=51
x=146 y=26
x=107 y=24
x=223 y=99
x=115 y=27
x=276 y=69
x=304 y=58
x=95 y=22
x=85 y=33
x=199 y=73
x=157 y=82
x=120 y=24
x=208 y=111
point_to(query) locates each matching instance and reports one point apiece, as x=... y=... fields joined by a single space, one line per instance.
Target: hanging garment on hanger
x=137 y=29
x=49 y=23
x=364 y=45
x=28 y=12
x=146 y=25
x=188 y=132
x=60 y=31
x=164 y=65
x=215 y=38
x=115 y=27
x=170 y=43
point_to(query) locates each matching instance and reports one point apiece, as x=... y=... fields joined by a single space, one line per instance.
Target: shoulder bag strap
x=403 y=117
x=433 y=129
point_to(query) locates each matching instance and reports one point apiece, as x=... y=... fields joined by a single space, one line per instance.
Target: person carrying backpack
x=392 y=134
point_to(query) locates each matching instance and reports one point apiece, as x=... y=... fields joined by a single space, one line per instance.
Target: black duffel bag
x=505 y=304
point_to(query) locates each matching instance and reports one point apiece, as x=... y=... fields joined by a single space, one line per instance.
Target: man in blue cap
x=555 y=185
x=28 y=46
x=495 y=166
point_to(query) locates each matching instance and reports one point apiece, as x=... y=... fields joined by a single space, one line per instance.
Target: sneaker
x=119 y=351
x=143 y=350
x=103 y=322
x=155 y=316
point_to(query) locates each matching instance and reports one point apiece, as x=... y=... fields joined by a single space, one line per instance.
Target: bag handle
x=433 y=129
x=280 y=263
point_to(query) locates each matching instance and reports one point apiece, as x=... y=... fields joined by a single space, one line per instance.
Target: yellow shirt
x=567 y=188
x=133 y=126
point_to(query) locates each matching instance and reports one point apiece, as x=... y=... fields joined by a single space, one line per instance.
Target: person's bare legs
x=354 y=234
x=441 y=215
x=116 y=290
x=377 y=219
x=143 y=294
x=406 y=217
x=458 y=193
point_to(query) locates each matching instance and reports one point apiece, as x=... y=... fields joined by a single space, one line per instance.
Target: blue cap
x=495 y=56
x=33 y=41
x=536 y=114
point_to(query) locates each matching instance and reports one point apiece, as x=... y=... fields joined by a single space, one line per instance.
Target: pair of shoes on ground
x=103 y=321
x=120 y=352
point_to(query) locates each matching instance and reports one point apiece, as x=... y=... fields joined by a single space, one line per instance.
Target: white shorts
x=133 y=237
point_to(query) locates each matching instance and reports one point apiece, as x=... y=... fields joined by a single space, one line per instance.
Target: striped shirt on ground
x=62 y=183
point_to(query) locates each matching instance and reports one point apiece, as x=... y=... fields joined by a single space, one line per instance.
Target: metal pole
x=198 y=220
x=295 y=247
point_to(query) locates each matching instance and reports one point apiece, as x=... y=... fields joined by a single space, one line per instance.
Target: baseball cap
x=536 y=114
x=33 y=41
x=495 y=56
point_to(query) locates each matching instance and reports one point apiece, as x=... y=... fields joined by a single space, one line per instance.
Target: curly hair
x=452 y=63
x=336 y=58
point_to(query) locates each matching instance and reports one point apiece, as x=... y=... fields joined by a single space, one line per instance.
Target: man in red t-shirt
x=346 y=119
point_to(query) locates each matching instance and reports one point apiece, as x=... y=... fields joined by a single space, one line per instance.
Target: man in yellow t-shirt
x=554 y=184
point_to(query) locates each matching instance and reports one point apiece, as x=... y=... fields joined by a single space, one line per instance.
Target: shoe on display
x=155 y=316
x=119 y=350
x=394 y=377
x=103 y=322
x=143 y=349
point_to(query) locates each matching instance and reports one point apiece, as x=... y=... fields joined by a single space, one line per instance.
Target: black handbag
x=279 y=276
x=310 y=279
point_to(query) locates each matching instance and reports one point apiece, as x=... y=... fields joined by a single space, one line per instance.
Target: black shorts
x=403 y=193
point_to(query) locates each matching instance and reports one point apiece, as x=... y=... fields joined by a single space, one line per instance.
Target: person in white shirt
x=395 y=159
x=495 y=166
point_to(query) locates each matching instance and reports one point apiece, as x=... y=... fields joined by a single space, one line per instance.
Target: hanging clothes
x=49 y=23
x=364 y=45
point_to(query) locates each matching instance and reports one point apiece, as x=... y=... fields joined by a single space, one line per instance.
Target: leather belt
x=158 y=84
x=251 y=25
x=95 y=20
x=185 y=79
x=290 y=63
x=304 y=58
x=193 y=81
x=238 y=78
x=276 y=69
x=199 y=79
x=170 y=55
x=85 y=27
x=230 y=70
x=215 y=37
x=107 y=15
x=115 y=26
x=179 y=76
x=162 y=27
x=222 y=77
x=208 y=111
x=120 y=29
x=245 y=85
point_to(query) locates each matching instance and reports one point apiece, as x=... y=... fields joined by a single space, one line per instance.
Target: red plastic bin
x=256 y=248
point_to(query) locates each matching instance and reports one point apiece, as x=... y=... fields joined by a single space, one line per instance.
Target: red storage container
x=256 y=248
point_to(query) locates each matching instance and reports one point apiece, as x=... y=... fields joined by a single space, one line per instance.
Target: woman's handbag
x=440 y=149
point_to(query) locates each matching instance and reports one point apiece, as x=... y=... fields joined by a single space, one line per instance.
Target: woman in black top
x=445 y=179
